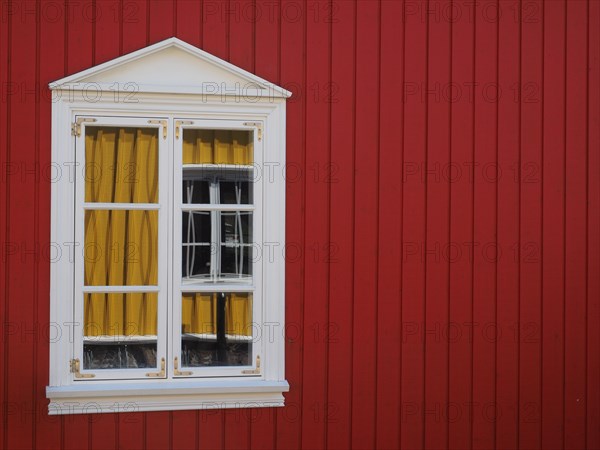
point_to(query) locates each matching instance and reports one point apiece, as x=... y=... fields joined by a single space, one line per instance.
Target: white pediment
x=173 y=66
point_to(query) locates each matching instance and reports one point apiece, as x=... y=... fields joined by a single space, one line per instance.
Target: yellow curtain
x=217 y=147
x=121 y=245
x=199 y=313
x=238 y=315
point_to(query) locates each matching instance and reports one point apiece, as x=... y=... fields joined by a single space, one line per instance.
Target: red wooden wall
x=443 y=219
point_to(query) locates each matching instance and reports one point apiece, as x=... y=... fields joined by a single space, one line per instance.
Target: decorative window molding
x=170 y=199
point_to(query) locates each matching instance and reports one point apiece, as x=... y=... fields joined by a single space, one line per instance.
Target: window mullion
x=215 y=234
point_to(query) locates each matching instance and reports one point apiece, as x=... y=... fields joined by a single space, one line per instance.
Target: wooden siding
x=443 y=219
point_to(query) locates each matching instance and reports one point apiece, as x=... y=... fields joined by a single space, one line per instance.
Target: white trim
x=180 y=394
x=267 y=88
x=119 y=289
x=220 y=287
x=121 y=206
x=214 y=207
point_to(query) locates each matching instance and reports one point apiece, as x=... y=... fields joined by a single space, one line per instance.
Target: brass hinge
x=178 y=372
x=162 y=370
x=76 y=126
x=253 y=371
x=178 y=124
x=164 y=126
x=75 y=369
x=258 y=125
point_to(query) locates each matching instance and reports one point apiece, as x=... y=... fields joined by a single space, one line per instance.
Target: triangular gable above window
x=172 y=66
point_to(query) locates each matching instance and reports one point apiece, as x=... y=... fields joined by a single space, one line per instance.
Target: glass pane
x=121 y=165
x=218 y=147
x=216 y=329
x=237 y=192
x=236 y=244
x=196 y=190
x=196 y=227
x=196 y=249
x=228 y=186
x=236 y=227
x=236 y=261
x=196 y=261
x=120 y=330
x=121 y=248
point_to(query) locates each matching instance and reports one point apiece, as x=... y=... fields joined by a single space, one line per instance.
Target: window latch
x=162 y=370
x=253 y=371
x=177 y=372
x=75 y=369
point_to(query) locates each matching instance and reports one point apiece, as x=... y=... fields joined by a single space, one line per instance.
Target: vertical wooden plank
x=189 y=21
x=507 y=384
x=37 y=393
x=215 y=35
x=134 y=25
x=5 y=79
x=593 y=278
x=530 y=225
x=107 y=30
x=265 y=40
x=20 y=261
x=162 y=20
x=185 y=430
x=236 y=419
x=366 y=216
x=390 y=217
x=575 y=223
x=435 y=170
x=414 y=226
x=77 y=432
x=211 y=430
x=553 y=226
x=316 y=232
x=131 y=428
x=79 y=37
x=266 y=18
x=343 y=120
x=485 y=226
x=263 y=425
x=51 y=48
x=104 y=430
x=292 y=78
x=158 y=434
x=461 y=233
x=241 y=16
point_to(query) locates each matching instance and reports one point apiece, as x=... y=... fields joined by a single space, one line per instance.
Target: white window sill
x=167 y=395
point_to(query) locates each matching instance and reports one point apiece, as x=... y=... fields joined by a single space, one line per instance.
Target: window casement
x=167 y=296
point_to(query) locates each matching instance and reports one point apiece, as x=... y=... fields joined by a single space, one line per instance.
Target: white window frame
x=163 y=229
x=255 y=284
x=264 y=111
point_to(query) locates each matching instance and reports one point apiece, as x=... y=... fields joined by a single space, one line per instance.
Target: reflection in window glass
x=120 y=330
x=216 y=329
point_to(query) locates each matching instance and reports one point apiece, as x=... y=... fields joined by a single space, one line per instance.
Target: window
x=168 y=299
